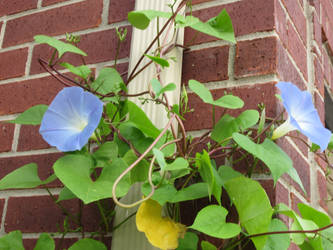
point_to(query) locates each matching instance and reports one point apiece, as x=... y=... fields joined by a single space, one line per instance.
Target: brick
x=52 y=22
x=319 y=76
x=100 y=47
x=12 y=63
x=199 y=1
x=327 y=27
x=268 y=185
x=29 y=244
x=30 y=139
x=286 y=69
x=201 y=118
x=32 y=215
x=297 y=16
x=16 y=98
x=282 y=196
x=322 y=189
x=320 y=106
x=301 y=166
x=294 y=201
x=206 y=65
x=281 y=23
x=118 y=10
x=50 y=2
x=6 y=135
x=297 y=50
x=327 y=7
x=247 y=17
x=297 y=139
x=327 y=68
x=9 y=7
x=321 y=163
x=44 y=162
x=255 y=57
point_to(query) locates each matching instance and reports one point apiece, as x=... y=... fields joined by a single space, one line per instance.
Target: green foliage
x=60 y=46
x=88 y=244
x=211 y=221
x=209 y=175
x=219 y=26
x=108 y=81
x=159 y=89
x=277 y=241
x=24 y=177
x=139 y=119
x=299 y=223
x=45 y=242
x=189 y=242
x=272 y=155
x=253 y=206
x=226 y=101
x=206 y=245
x=32 y=116
x=161 y=61
x=178 y=168
x=141 y=19
x=11 y=241
x=74 y=172
x=228 y=125
x=82 y=71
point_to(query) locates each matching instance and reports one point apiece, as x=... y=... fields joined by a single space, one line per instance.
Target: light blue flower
x=302 y=116
x=71 y=119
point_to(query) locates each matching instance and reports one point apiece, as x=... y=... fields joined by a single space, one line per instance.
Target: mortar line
x=39 y=10
x=3 y=217
x=231 y=62
x=29 y=59
x=210 y=4
x=45 y=74
x=5 y=194
x=39 y=4
x=309 y=11
x=247 y=37
x=105 y=13
x=16 y=137
x=292 y=22
x=2 y=32
x=77 y=33
x=29 y=153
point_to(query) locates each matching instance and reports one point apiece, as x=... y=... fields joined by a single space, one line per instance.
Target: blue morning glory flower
x=71 y=119
x=302 y=116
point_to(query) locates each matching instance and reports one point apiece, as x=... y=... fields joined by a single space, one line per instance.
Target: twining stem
x=130 y=78
x=122 y=222
x=101 y=210
x=52 y=57
x=314 y=231
x=64 y=210
x=114 y=187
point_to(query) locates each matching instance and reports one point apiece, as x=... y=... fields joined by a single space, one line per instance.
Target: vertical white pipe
x=127 y=237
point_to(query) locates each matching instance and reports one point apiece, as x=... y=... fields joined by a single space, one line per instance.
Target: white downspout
x=127 y=237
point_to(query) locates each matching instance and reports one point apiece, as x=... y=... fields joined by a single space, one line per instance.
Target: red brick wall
x=24 y=83
x=289 y=40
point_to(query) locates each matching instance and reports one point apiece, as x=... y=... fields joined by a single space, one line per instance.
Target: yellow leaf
x=161 y=232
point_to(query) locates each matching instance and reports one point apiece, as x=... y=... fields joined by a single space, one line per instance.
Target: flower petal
x=303 y=115
x=71 y=119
